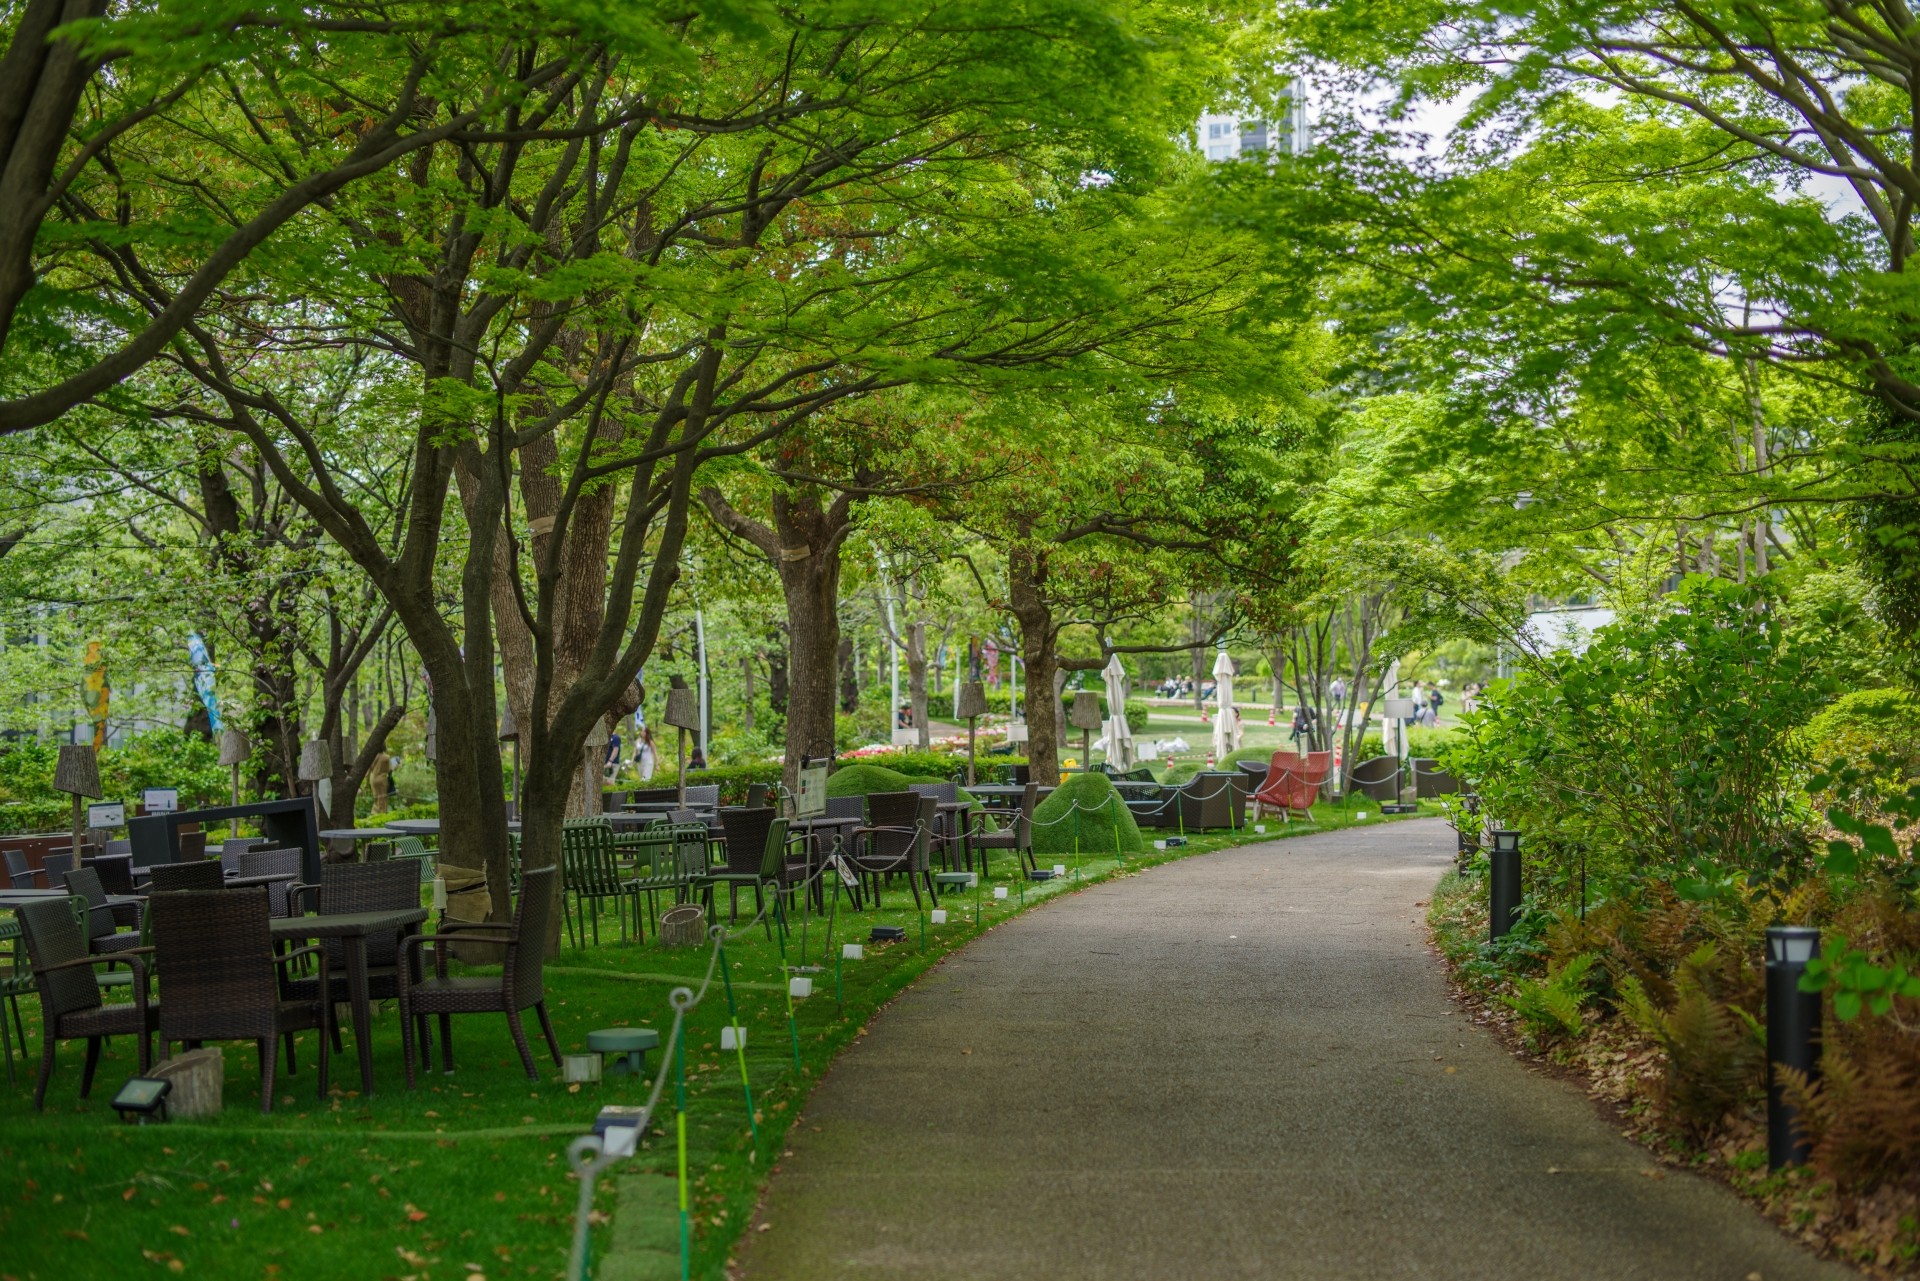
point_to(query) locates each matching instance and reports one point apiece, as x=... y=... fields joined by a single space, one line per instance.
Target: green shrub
x=1550 y=1007
x=35 y=815
x=1864 y=722
x=937 y=765
x=1101 y=815
x=865 y=779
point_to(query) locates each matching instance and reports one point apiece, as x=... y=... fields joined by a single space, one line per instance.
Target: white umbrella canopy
x=1226 y=721
x=1119 y=735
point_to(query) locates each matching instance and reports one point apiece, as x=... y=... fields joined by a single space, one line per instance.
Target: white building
x=1228 y=137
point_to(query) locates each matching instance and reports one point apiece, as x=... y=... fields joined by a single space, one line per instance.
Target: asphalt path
x=1242 y=1064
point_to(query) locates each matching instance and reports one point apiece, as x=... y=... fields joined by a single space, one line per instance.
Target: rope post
x=838 y=1004
x=1118 y=857
x=739 y=1043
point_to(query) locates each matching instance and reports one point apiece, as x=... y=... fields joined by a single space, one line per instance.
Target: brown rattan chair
x=518 y=986
x=746 y=842
x=1015 y=835
x=896 y=839
x=101 y=926
x=278 y=863
x=70 y=1004
x=165 y=878
x=359 y=887
x=221 y=981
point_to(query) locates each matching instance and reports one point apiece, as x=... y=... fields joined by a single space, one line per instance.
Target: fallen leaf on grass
x=75 y=1234
x=127 y=1195
x=179 y=1231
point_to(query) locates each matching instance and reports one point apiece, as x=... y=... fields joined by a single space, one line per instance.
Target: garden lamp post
x=316 y=768
x=510 y=733
x=1793 y=1036
x=78 y=775
x=683 y=713
x=1085 y=717
x=234 y=751
x=972 y=704
x=1504 y=881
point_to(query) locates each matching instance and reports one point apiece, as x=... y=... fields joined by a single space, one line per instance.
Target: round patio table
x=415 y=826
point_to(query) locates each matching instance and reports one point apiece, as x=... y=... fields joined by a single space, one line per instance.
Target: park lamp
x=1793 y=1038
x=1086 y=718
x=1792 y=944
x=77 y=773
x=1506 y=840
x=143 y=1099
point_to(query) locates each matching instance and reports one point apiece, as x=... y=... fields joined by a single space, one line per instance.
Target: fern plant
x=1551 y=1006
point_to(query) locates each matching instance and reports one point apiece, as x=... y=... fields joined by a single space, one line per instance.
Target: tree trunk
x=776 y=655
x=746 y=685
x=917 y=682
x=1026 y=600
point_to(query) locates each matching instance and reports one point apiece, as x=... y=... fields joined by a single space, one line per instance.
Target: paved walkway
x=1243 y=1064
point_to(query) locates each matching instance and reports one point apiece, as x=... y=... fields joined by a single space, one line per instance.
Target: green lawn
x=465 y=1176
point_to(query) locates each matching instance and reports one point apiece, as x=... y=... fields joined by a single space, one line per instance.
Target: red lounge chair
x=1293 y=782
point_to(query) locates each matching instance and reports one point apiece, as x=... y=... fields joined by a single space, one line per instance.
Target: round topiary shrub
x=865 y=780
x=1101 y=815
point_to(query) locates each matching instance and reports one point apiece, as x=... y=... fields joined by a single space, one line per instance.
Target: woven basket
x=683 y=926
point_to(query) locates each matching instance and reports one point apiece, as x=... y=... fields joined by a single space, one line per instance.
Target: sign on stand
x=810 y=793
x=102 y=817
x=160 y=800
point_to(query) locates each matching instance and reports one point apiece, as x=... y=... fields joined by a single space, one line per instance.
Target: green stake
x=739 y=1044
x=680 y=1126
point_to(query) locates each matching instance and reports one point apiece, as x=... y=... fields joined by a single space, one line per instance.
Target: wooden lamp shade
x=234 y=747
x=78 y=771
x=973 y=700
x=1086 y=711
x=316 y=761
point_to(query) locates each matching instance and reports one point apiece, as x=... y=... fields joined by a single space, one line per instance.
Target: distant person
x=1435 y=699
x=646 y=757
x=1338 y=692
x=380 y=778
x=698 y=760
x=613 y=749
x=1302 y=725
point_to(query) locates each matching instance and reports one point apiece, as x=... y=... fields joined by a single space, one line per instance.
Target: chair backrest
x=116 y=874
x=56 y=864
x=1023 y=821
x=774 y=857
x=18 y=873
x=165 y=878
x=232 y=848
x=756 y=795
x=902 y=820
x=368 y=887
x=846 y=807
x=653 y=795
x=53 y=937
x=521 y=975
x=216 y=952
x=288 y=862
x=943 y=793
x=85 y=882
x=586 y=851
x=746 y=838
x=706 y=795
x=122 y=846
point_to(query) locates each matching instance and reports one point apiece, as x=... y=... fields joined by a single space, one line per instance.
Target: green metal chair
x=592 y=876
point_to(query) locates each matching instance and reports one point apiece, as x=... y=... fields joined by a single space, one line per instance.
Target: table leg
x=362 y=1009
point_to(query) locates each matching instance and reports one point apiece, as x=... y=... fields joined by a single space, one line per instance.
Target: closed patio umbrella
x=1119 y=735
x=1226 y=725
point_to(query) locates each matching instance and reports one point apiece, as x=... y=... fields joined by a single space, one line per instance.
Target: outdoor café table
x=998 y=795
x=353 y=928
x=265 y=878
x=1137 y=790
x=415 y=826
x=352 y=835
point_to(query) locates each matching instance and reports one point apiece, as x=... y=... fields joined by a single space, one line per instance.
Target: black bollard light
x=1504 y=881
x=1793 y=1036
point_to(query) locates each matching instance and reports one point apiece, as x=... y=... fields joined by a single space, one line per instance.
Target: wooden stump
x=683 y=926
x=198 y=1078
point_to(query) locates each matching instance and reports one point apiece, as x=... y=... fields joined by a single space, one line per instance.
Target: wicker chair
x=116 y=877
x=354 y=887
x=286 y=862
x=70 y=1005
x=949 y=836
x=1016 y=836
x=586 y=850
x=756 y=857
x=517 y=987
x=232 y=849
x=746 y=841
x=167 y=878
x=896 y=839
x=223 y=981
x=19 y=875
x=102 y=929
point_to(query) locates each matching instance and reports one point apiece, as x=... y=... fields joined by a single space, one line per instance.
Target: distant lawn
x=466 y=1176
